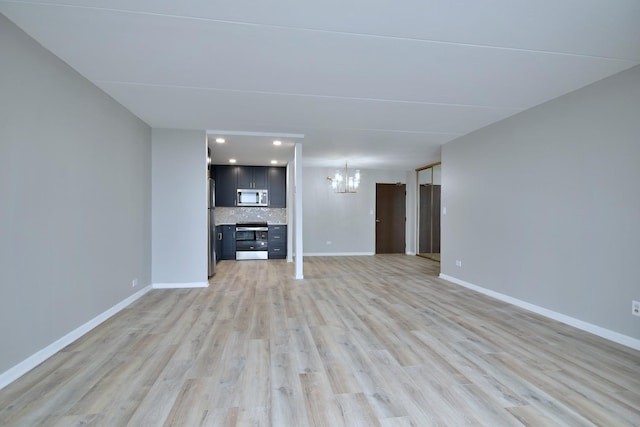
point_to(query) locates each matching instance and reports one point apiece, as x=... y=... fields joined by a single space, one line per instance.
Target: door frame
x=402 y=225
x=430 y=165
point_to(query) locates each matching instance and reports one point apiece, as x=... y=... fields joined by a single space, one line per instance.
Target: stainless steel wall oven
x=252 y=240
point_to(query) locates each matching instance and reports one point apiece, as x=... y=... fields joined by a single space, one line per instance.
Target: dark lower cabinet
x=226 y=242
x=218 y=242
x=277 y=241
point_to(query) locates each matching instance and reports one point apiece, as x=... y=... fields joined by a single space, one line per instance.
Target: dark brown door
x=390 y=218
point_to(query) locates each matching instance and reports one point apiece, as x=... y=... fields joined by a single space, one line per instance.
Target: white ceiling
x=380 y=84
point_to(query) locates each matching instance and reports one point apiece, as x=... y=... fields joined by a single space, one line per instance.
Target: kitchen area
x=247 y=213
x=183 y=225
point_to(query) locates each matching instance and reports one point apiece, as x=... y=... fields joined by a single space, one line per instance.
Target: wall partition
x=428 y=233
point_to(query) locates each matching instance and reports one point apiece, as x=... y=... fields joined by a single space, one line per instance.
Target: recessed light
x=232 y=160
x=277 y=142
x=274 y=162
x=220 y=140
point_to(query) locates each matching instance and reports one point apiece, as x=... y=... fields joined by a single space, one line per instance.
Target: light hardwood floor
x=361 y=341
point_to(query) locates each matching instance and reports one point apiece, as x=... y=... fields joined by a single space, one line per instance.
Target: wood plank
x=190 y=406
x=304 y=348
x=335 y=363
x=356 y=410
x=322 y=408
x=287 y=402
x=156 y=406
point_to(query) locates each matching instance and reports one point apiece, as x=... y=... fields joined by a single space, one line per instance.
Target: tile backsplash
x=244 y=214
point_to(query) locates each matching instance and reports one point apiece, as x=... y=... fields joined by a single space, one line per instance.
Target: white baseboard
x=338 y=254
x=576 y=323
x=180 y=285
x=34 y=360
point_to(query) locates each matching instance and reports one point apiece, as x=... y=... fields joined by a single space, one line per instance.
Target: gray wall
x=348 y=220
x=545 y=206
x=75 y=185
x=179 y=199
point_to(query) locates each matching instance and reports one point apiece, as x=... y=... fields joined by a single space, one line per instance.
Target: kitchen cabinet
x=226 y=185
x=252 y=177
x=230 y=178
x=277 y=187
x=218 y=242
x=277 y=241
x=227 y=238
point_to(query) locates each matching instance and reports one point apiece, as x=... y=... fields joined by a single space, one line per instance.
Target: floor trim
x=180 y=285
x=34 y=360
x=571 y=321
x=338 y=254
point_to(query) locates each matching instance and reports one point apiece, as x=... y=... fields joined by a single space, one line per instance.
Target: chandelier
x=342 y=182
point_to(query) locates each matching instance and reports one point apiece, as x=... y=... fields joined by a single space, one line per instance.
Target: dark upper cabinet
x=230 y=178
x=226 y=185
x=277 y=187
x=252 y=177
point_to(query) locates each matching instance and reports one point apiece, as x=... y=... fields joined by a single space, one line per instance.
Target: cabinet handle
x=219 y=236
x=276 y=249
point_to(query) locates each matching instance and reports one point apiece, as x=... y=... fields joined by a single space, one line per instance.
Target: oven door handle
x=252 y=229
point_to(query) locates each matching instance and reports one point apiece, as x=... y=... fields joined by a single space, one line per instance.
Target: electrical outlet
x=134 y=283
x=458 y=263
x=635 y=308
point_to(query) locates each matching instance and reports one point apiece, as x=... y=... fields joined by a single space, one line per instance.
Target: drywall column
x=298 y=209
x=290 y=211
x=179 y=208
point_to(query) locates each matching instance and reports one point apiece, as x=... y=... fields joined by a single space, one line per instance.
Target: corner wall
x=75 y=186
x=544 y=207
x=179 y=206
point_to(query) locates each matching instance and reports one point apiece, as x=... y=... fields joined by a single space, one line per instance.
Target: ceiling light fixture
x=274 y=162
x=343 y=183
x=277 y=142
x=220 y=140
x=232 y=160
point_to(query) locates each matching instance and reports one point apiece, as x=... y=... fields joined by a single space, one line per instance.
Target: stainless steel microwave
x=252 y=197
